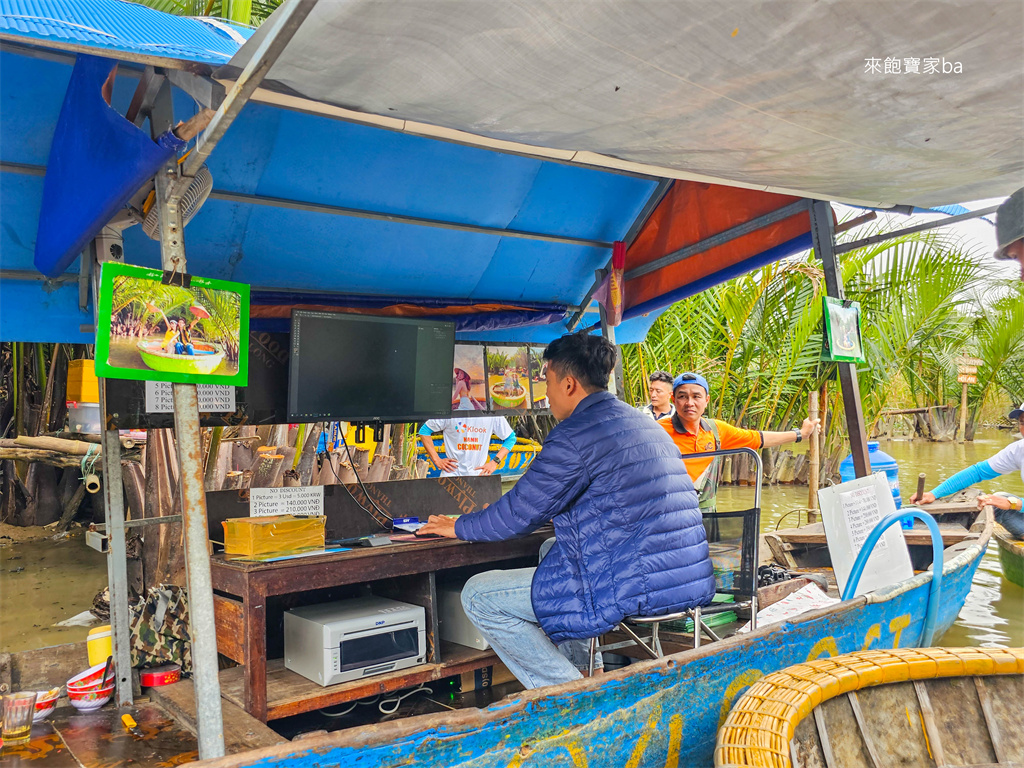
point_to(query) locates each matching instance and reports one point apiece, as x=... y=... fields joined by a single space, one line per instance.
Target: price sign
x=966 y=378
x=213 y=398
x=305 y=501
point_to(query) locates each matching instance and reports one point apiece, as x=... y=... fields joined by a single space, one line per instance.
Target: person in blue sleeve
x=467 y=444
x=629 y=538
x=1007 y=506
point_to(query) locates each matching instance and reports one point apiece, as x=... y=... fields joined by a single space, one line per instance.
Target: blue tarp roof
x=120 y=27
x=272 y=153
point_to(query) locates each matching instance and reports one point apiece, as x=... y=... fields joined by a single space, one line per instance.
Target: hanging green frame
x=133 y=335
x=842 y=341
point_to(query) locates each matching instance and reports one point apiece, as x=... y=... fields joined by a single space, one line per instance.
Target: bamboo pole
x=814 y=457
x=212 y=456
x=53 y=458
x=963 y=414
x=307 y=459
x=73 y=447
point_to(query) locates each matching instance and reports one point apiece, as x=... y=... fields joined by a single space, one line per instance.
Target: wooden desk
x=406 y=572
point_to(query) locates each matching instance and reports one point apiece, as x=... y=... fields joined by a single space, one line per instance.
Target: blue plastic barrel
x=880 y=462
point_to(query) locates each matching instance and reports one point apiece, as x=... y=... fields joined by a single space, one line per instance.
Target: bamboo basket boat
x=907 y=706
x=1011 y=555
x=208 y=356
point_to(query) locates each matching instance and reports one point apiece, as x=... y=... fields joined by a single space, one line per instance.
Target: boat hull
x=652 y=713
x=1011 y=556
x=165 y=362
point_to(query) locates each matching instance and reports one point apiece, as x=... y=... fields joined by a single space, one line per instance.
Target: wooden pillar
x=963 y=414
x=822 y=234
x=814 y=459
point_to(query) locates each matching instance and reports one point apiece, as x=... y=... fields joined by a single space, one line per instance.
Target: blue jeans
x=576 y=651
x=499 y=605
x=184 y=349
x=1011 y=520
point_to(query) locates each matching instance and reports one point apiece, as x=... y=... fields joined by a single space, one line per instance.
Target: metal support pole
x=206 y=673
x=823 y=238
x=117 y=559
x=107 y=247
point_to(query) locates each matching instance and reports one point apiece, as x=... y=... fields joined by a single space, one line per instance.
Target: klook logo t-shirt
x=469 y=440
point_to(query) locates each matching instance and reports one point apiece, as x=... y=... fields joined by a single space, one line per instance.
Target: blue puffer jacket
x=630 y=541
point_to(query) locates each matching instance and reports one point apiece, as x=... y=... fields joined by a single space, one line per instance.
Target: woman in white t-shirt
x=467 y=444
x=1011 y=459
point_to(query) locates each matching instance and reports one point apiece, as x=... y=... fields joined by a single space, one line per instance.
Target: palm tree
x=758 y=339
x=250 y=12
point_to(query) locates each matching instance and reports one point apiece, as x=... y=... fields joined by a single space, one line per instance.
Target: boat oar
x=920 y=486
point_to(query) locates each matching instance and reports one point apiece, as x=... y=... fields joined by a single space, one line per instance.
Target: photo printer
x=332 y=643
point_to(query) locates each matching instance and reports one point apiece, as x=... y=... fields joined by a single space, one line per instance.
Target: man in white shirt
x=467 y=444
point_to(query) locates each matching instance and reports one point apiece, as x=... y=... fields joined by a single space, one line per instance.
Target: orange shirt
x=730 y=437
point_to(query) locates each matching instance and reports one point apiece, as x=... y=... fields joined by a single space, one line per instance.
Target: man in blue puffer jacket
x=629 y=536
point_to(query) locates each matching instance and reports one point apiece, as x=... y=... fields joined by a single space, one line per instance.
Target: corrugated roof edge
x=121 y=30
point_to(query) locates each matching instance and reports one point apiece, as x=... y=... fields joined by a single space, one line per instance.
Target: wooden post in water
x=814 y=457
x=963 y=413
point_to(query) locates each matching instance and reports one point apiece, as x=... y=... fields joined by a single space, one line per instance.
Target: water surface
x=994 y=611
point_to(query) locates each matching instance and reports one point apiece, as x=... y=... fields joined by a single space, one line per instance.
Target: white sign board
x=850 y=511
x=302 y=502
x=213 y=398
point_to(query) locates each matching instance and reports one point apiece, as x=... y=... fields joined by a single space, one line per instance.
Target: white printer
x=332 y=643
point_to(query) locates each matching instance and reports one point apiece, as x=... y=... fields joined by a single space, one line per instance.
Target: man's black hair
x=588 y=359
x=661 y=376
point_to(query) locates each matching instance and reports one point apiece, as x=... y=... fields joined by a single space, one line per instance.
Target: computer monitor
x=365 y=368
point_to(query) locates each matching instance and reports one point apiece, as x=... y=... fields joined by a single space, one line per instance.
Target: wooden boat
x=1011 y=555
x=927 y=706
x=517 y=461
x=208 y=356
x=665 y=711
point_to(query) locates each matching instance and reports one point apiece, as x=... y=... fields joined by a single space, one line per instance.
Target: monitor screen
x=365 y=368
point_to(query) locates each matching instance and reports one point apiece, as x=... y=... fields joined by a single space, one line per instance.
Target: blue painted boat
x=664 y=712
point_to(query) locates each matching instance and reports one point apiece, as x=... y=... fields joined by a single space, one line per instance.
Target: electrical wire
x=389 y=525
x=386 y=706
x=352 y=463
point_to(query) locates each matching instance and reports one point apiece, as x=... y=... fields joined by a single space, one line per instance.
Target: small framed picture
x=187 y=329
x=508 y=378
x=469 y=384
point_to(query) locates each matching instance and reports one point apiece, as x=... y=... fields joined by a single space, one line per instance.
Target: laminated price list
x=213 y=398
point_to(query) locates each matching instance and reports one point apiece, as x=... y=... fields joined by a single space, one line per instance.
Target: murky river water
x=43 y=582
x=994 y=612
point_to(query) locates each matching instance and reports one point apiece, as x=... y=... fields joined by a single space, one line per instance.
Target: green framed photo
x=842 y=341
x=151 y=331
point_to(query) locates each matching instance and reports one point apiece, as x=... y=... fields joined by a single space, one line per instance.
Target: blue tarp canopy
x=314 y=203
x=272 y=154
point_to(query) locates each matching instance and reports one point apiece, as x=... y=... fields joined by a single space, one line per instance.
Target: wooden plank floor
x=242 y=731
x=289 y=693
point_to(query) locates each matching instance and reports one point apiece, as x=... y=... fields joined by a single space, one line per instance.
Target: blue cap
x=690 y=378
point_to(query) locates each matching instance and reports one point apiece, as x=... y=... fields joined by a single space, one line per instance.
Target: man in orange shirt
x=694 y=434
